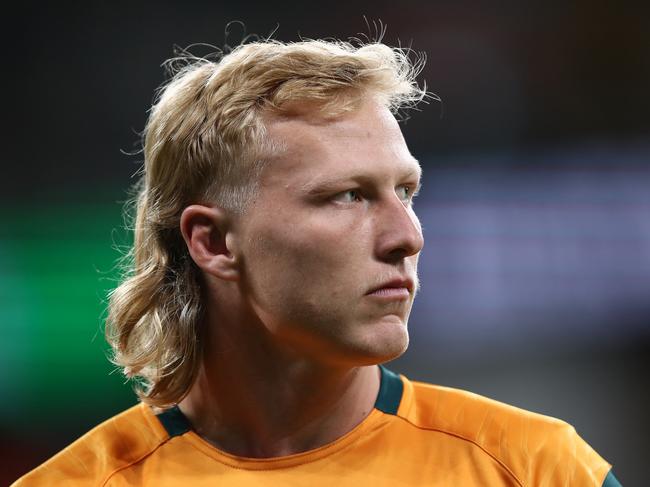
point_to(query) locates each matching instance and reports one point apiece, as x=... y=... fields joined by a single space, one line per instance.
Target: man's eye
x=350 y=196
x=405 y=193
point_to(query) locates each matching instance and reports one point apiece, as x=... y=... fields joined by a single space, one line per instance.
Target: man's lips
x=398 y=287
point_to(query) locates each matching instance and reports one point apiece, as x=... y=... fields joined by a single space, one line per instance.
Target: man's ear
x=207 y=234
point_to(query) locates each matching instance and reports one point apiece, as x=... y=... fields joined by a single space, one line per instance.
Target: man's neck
x=255 y=399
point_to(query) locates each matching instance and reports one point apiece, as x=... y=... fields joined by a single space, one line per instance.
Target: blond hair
x=205 y=142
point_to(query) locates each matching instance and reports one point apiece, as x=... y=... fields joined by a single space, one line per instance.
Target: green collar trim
x=390 y=391
x=174 y=421
x=390 y=395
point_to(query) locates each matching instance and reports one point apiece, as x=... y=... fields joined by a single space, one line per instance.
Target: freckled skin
x=310 y=257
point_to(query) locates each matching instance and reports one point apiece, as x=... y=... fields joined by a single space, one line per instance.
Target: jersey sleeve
x=564 y=458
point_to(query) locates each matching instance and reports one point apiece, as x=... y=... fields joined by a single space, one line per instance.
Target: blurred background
x=535 y=205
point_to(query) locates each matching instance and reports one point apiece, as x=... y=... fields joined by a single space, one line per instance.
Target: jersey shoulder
x=536 y=449
x=109 y=447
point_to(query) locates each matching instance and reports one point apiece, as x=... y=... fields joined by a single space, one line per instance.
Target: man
x=275 y=261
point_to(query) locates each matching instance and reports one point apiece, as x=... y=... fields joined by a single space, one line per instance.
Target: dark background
x=536 y=270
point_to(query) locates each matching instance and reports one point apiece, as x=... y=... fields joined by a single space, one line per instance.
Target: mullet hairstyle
x=205 y=142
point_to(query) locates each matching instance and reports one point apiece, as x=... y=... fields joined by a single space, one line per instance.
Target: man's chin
x=386 y=341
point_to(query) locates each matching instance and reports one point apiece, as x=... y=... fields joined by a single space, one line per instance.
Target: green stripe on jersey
x=611 y=481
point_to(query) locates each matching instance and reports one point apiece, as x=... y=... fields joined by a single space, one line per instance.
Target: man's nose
x=399 y=234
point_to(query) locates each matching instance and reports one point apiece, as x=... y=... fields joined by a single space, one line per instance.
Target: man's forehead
x=316 y=137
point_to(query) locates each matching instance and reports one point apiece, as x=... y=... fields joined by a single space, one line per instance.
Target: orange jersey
x=417 y=434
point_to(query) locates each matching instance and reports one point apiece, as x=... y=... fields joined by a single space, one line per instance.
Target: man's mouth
x=397 y=288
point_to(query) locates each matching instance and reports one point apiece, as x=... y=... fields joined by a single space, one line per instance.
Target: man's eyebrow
x=326 y=185
x=417 y=169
